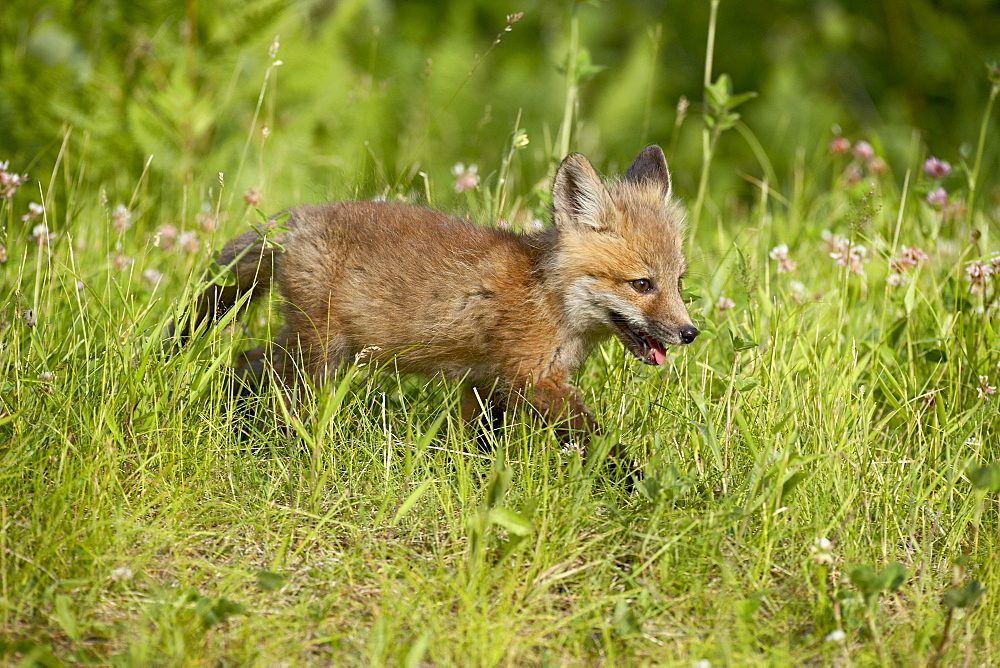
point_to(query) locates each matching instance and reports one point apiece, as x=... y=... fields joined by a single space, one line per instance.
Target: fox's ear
x=579 y=198
x=650 y=166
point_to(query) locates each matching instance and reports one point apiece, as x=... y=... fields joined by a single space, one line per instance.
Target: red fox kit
x=510 y=315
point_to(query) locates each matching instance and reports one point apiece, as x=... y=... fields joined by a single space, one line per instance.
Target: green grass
x=146 y=518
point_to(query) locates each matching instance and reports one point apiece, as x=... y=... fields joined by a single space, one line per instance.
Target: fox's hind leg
x=249 y=261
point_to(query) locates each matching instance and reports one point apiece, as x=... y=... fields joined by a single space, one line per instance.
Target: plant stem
x=943 y=644
x=708 y=137
x=974 y=176
x=572 y=88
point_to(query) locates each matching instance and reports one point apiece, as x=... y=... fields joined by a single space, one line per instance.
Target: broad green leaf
x=64 y=615
x=513 y=522
x=985 y=477
x=269 y=580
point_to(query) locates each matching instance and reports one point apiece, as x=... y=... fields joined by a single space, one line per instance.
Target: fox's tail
x=247 y=264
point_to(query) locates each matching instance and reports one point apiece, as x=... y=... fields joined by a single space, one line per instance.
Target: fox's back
x=433 y=290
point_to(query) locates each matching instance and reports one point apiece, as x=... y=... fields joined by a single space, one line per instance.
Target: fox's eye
x=642 y=284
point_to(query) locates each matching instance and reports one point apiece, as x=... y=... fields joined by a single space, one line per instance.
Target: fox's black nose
x=688 y=334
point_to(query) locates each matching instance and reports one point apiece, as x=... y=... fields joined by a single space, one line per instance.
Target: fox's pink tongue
x=657 y=352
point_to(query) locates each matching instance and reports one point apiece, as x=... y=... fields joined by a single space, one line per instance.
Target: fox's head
x=619 y=258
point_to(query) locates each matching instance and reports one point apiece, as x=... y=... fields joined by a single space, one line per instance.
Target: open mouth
x=641 y=344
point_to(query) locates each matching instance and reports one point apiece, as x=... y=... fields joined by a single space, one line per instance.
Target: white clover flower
x=836 y=635
x=977 y=273
x=466 y=178
x=985 y=390
x=785 y=263
x=121 y=218
x=152 y=275
x=9 y=181
x=188 y=240
x=821 y=551
x=34 y=211
x=41 y=234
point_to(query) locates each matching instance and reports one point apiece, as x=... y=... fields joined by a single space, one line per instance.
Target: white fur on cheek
x=581 y=306
x=590 y=307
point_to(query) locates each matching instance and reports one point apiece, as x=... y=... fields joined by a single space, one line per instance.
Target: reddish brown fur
x=510 y=315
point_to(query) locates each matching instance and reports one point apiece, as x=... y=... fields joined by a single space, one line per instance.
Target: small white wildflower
x=121 y=574
x=701 y=663
x=466 y=178
x=724 y=303
x=914 y=254
x=34 y=211
x=785 y=263
x=909 y=256
x=572 y=446
x=46 y=376
x=852 y=258
x=3 y=253
x=121 y=218
x=188 y=240
x=836 y=635
x=821 y=551
x=152 y=275
x=779 y=252
x=120 y=261
x=895 y=280
x=985 y=390
x=206 y=218
x=9 y=181
x=798 y=290
x=166 y=234
x=978 y=273
x=41 y=234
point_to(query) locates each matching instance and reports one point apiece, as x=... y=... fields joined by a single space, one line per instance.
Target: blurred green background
x=371 y=93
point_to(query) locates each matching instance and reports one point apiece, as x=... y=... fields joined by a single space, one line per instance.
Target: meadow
x=818 y=474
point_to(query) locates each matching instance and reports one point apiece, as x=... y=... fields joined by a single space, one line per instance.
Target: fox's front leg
x=483 y=410
x=556 y=402
x=560 y=403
